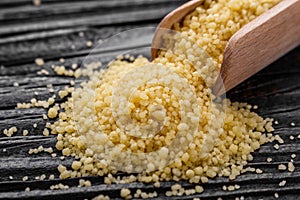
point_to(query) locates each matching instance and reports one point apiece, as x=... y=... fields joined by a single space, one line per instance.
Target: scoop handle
x=259 y=43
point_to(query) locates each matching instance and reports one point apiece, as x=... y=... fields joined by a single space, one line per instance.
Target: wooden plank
x=275 y=90
x=16 y=3
x=70 y=43
x=70 y=16
x=251 y=182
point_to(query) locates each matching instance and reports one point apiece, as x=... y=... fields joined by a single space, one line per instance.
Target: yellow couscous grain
x=224 y=136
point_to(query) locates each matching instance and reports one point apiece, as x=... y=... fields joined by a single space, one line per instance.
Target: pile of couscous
x=160 y=118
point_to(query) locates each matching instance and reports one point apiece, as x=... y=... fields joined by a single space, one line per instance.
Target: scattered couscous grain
x=231 y=188
x=101 y=197
x=59 y=186
x=89 y=43
x=282 y=183
x=269 y=159
x=25 y=178
x=43 y=177
x=258 y=171
x=199 y=189
x=9 y=132
x=87 y=183
x=279 y=139
x=43 y=72
x=52 y=113
x=81 y=34
x=51 y=101
x=125 y=193
x=237 y=186
x=291 y=167
x=46 y=132
x=74 y=66
x=51 y=177
x=39 y=61
x=282 y=167
x=25 y=132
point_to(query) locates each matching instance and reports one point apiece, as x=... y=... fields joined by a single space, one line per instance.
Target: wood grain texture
x=276 y=90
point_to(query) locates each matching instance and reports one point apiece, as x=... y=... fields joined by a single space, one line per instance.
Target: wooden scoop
x=253 y=47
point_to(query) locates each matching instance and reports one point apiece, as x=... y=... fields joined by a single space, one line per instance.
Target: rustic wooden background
x=54 y=30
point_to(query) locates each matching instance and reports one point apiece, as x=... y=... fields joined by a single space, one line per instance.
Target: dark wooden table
x=60 y=29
